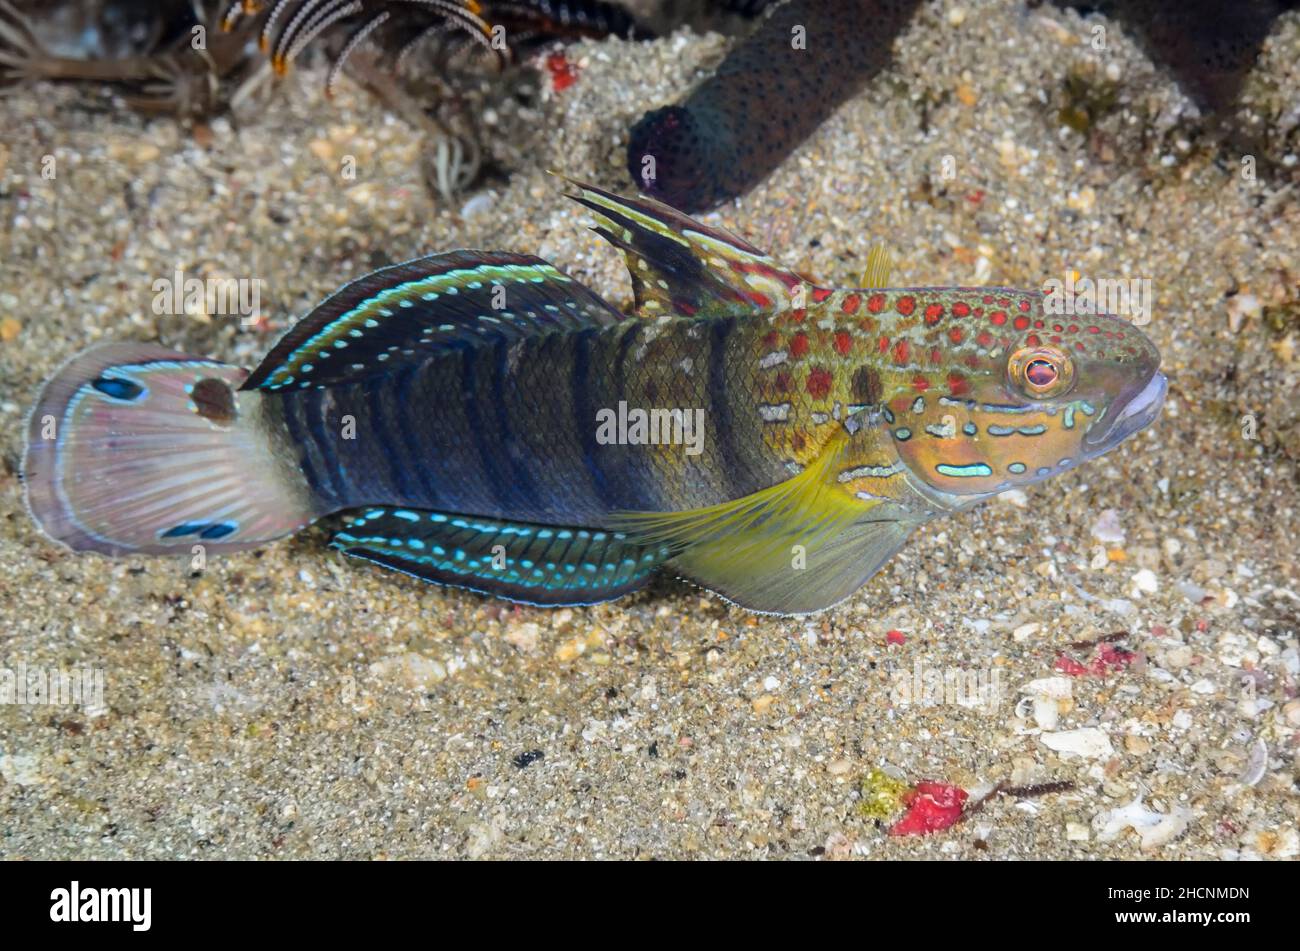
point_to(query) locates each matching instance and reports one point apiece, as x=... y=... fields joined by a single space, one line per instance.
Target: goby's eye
x=1041 y=372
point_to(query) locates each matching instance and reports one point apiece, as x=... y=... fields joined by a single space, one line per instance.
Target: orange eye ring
x=1041 y=372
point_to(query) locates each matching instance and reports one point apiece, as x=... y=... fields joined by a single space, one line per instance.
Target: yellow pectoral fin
x=794 y=548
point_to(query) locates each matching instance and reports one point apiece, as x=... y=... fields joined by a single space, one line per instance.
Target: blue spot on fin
x=118 y=388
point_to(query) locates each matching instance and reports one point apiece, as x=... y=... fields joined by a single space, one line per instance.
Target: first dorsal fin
x=681 y=267
x=410 y=310
x=879 y=263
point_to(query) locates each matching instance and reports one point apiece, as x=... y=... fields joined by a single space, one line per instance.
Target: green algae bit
x=882 y=794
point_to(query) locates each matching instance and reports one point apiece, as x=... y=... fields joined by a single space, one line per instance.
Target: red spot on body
x=933 y=312
x=799 y=344
x=936 y=355
x=958 y=384
x=819 y=383
x=1094 y=330
x=906 y=304
x=819 y=294
x=1021 y=323
x=798 y=315
x=1033 y=341
x=1074 y=328
x=901 y=351
x=920 y=384
x=761 y=300
x=1004 y=301
x=1078 y=346
x=843 y=342
x=876 y=303
x=988 y=298
x=984 y=339
x=1024 y=306
x=960 y=309
x=1058 y=328
x=563 y=73
x=771 y=339
x=1054 y=339
x=932 y=807
x=850 y=305
x=883 y=345
x=1038 y=325
x=956 y=335
x=998 y=317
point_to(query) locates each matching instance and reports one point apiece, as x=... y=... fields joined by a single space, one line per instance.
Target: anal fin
x=534 y=564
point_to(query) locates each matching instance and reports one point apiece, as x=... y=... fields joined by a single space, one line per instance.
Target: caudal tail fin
x=134 y=448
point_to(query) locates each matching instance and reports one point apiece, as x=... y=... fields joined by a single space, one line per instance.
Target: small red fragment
x=895 y=637
x=932 y=807
x=563 y=73
x=1109 y=658
x=1070 y=667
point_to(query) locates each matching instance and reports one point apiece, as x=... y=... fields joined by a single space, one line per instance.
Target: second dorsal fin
x=681 y=267
x=437 y=302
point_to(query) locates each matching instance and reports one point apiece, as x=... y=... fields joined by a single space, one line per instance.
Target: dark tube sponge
x=770 y=93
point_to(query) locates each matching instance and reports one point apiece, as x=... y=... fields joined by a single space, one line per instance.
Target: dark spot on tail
x=118 y=388
x=214 y=401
